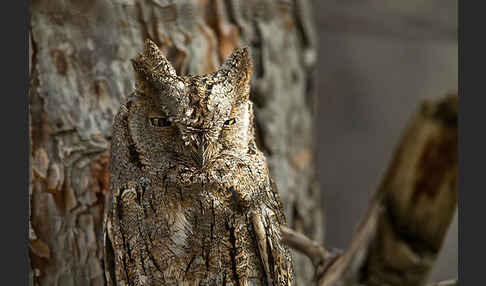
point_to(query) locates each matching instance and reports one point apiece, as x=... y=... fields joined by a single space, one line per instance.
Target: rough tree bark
x=80 y=72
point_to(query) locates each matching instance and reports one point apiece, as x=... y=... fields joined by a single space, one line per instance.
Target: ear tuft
x=240 y=62
x=151 y=65
x=157 y=60
x=238 y=68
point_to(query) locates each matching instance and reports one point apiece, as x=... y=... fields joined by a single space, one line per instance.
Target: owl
x=192 y=201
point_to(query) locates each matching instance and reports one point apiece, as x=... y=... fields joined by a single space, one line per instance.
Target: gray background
x=377 y=60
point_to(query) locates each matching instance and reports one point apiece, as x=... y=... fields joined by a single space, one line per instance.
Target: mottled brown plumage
x=192 y=200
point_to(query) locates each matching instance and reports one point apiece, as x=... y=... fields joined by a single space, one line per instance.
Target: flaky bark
x=400 y=238
x=81 y=72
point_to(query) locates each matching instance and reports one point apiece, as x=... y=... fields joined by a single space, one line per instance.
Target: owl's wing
x=267 y=219
x=109 y=256
x=109 y=252
x=120 y=237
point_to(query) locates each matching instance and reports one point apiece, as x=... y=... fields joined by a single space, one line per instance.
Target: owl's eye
x=160 y=122
x=230 y=122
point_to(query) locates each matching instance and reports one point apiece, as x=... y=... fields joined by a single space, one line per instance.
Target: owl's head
x=191 y=120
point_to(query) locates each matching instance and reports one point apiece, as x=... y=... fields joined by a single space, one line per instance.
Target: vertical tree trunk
x=81 y=71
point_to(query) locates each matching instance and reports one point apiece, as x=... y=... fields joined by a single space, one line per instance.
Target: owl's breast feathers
x=158 y=234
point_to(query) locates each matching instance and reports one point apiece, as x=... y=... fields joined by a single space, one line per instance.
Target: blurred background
x=377 y=60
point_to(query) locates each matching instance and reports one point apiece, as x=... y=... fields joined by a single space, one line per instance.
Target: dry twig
x=399 y=240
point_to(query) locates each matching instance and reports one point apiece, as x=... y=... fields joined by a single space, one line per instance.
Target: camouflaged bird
x=192 y=199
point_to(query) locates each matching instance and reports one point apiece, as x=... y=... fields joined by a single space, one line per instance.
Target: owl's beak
x=200 y=152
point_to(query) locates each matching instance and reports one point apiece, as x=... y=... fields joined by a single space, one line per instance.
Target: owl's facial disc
x=205 y=123
x=209 y=110
x=205 y=116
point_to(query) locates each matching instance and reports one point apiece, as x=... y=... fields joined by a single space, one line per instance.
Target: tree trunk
x=80 y=72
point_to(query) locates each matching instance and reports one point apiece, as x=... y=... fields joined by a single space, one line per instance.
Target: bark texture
x=80 y=73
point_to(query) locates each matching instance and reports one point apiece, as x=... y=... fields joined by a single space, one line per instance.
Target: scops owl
x=192 y=201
